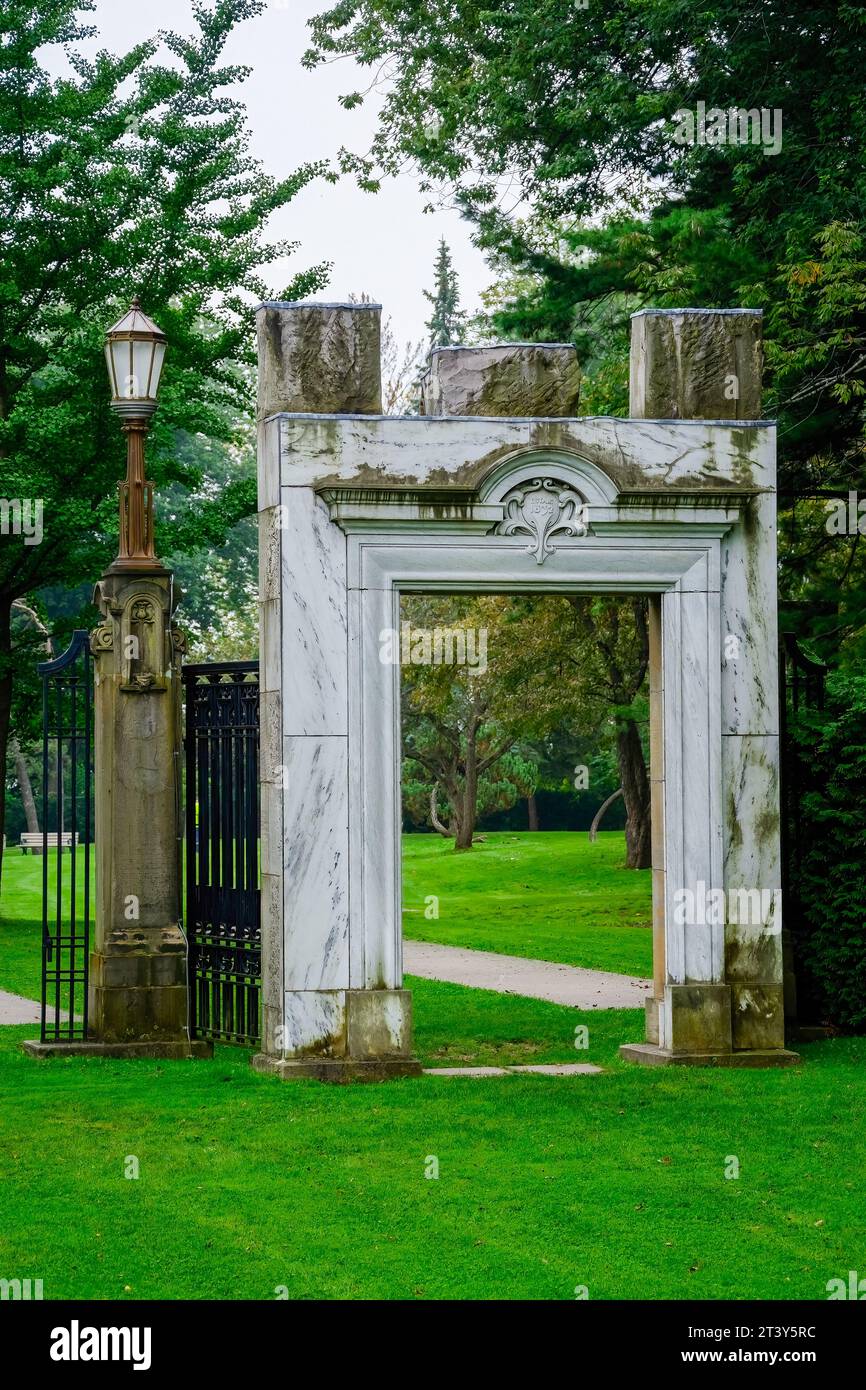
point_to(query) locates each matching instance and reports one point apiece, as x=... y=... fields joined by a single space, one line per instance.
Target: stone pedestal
x=696 y=364
x=137 y=1004
x=371 y=1041
x=320 y=358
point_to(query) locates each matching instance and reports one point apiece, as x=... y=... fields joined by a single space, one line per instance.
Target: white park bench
x=34 y=842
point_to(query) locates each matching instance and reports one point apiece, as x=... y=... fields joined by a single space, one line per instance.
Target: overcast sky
x=381 y=243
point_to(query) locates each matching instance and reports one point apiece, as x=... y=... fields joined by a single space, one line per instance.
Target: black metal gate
x=223 y=899
x=67 y=822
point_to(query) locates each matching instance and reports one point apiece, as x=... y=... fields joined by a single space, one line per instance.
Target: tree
x=497 y=786
x=128 y=175
x=447 y=321
x=569 y=113
x=466 y=723
x=571 y=110
x=595 y=652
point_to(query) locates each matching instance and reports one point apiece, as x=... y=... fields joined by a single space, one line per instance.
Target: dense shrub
x=828 y=914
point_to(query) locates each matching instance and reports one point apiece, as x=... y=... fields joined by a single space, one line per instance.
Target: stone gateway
x=499 y=486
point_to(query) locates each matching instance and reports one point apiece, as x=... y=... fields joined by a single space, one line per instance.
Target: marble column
x=706 y=364
x=321 y=360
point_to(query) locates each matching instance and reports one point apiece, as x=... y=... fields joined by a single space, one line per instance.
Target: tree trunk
x=599 y=815
x=532 y=811
x=5 y=707
x=468 y=810
x=28 y=800
x=636 y=795
x=434 y=814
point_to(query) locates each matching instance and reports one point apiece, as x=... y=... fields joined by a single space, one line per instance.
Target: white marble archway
x=355 y=508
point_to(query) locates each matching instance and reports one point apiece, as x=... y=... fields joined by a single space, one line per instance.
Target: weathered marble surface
x=313 y=636
x=529 y=379
x=314 y=1022
x=644 y=455
x=752 y=859
x=315 y=863
x=319 y=357
x=750 y=692
x=692 y=773
x=690 y=365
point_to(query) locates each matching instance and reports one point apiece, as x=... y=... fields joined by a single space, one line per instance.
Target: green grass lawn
x=20 y=923
x=614 y=1181
x=551 y=895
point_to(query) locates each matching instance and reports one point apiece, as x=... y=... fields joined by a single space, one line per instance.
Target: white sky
x=381 y=243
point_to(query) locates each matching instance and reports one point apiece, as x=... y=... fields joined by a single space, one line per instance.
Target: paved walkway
x=14 y=1009
x=538 y=979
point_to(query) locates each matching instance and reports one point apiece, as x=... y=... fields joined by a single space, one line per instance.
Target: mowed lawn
x=550 y=895
x=616 y=1181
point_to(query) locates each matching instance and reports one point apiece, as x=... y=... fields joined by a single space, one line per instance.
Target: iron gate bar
x=67 y=720
x=223 y=900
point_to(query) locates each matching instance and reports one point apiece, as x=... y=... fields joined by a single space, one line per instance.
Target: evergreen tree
x=447 y=320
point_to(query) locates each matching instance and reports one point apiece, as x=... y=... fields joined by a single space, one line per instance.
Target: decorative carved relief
x=141 y=611
x=102 y=639
x=143 y=645
x=543 y=508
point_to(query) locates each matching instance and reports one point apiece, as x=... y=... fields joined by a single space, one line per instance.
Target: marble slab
x=315 y=863
x=313 y=636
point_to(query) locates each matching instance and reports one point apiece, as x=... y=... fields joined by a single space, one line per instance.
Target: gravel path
x=538 y=979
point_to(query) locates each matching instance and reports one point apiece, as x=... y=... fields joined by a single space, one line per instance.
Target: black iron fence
x=67 y=826
x=223 y=901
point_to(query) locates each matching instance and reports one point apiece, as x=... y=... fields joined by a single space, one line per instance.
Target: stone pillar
x=698 y=364
x=321 y=1018
x=138 y=985
x=137 y=994
x=136 y=998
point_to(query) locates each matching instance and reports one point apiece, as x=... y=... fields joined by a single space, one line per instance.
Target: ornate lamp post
x=138 y=986
x=134 y=352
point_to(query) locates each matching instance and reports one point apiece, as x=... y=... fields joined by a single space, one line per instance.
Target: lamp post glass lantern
x=134 y=353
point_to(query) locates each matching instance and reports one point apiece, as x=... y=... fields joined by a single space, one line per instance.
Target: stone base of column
x=650 y=1055
x=337 y=1069
x=343 y=1035
x=697 y=1021
x=164 y=1051
x=138 y=990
